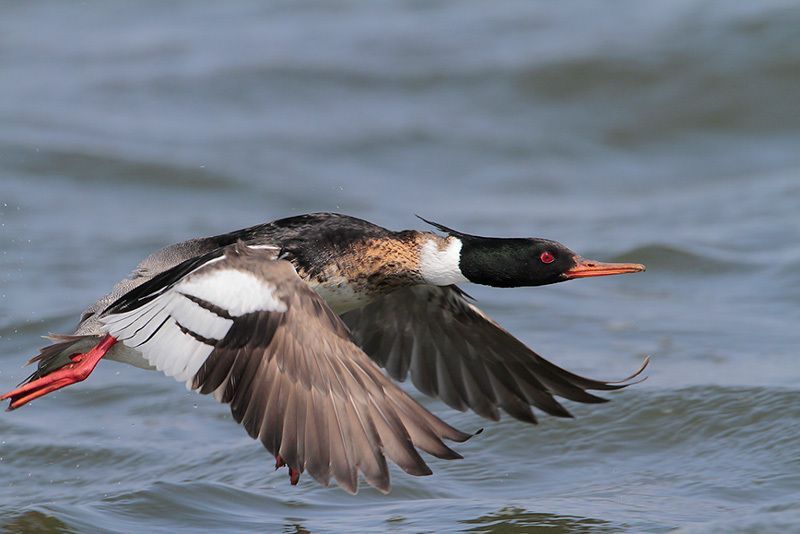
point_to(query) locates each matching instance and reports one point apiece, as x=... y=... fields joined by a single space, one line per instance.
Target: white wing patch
x=175 y=333
x=237 y=292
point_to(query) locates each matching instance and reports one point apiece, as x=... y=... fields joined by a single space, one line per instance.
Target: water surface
x=662 y=133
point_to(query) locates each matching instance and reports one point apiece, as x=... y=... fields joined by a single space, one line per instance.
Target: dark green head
x=527 y=261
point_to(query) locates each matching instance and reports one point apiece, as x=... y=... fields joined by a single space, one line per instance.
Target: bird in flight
x=290 y=321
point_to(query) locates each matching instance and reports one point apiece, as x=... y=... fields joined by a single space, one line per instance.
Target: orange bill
x=585 y=268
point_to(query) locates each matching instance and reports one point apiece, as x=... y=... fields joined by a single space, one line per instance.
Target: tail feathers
x=55 y=356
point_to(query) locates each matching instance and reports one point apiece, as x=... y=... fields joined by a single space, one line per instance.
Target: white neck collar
x=438 y=262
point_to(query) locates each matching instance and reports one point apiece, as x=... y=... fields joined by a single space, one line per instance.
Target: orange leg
x=294 y=474
x=81 y=367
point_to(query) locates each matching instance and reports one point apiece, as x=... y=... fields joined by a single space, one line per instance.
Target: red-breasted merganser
x=286 y=321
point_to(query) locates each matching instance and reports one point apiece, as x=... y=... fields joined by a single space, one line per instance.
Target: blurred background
x=666 y=133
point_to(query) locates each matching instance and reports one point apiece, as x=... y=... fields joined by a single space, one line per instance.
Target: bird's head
x=528 y=261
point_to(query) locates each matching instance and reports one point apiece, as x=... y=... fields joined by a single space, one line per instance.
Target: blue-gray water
x=666 y=133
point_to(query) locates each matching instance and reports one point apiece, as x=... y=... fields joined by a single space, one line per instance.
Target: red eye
x=547 y=257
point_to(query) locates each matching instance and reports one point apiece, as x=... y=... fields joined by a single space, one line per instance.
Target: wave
x=728 y=420
x=670 y=258
x=86 y=167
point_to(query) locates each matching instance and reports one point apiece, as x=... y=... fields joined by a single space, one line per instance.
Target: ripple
x=34 y=521
x=512 y=519
x=35 y=449
x=193 y=504
x=687 y=418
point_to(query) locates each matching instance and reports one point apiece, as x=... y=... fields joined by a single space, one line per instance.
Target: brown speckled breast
x=368 y=269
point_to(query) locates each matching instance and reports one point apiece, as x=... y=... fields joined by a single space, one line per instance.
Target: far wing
x=455 y=352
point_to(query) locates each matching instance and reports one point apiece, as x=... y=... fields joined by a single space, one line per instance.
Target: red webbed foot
x=294 y=474
x=77 y=370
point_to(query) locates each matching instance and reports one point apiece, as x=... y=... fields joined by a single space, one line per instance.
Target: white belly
x=122 y=353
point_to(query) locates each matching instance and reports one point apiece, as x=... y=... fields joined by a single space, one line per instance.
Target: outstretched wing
x=455 y=352
x=244 y=327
